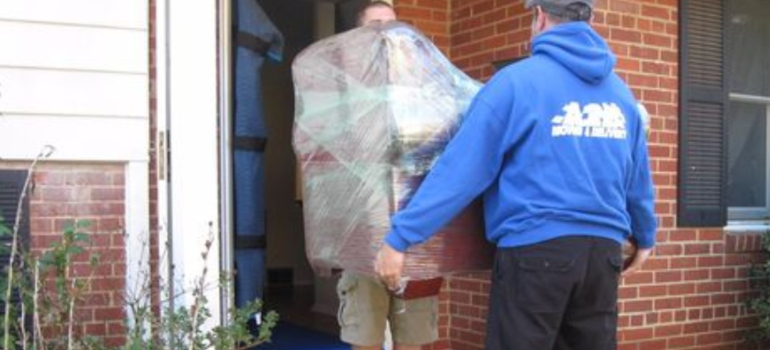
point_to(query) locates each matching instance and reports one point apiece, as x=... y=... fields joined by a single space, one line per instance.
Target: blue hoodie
x=555 y=144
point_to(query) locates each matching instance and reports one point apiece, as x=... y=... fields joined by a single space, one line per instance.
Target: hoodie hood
x=579 y=48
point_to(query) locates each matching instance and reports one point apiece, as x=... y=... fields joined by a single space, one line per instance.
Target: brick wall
x=154 y=238
x=487 y=31
x=430 y=16
x=692 y=293
x=94 y=192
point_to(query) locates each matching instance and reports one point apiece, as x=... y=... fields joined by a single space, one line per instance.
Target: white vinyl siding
x=74 y=74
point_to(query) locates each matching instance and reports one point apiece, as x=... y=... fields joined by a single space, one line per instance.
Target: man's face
x=378 y=14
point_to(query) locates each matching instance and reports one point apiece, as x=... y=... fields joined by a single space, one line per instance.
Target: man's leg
x=363 y=311
x=407 y=347
x=591 y=320
x=531 y=287
x=413 y=322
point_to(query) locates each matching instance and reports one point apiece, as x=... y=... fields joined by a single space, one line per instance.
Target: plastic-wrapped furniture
x=375 y=107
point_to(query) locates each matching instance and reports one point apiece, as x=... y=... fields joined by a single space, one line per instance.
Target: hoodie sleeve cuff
x=645 y=241
x=396 y=242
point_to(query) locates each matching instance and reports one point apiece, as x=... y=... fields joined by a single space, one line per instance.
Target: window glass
x=747 y=155
x=749 y=47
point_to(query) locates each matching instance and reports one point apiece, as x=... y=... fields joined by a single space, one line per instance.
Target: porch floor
x=294 y=305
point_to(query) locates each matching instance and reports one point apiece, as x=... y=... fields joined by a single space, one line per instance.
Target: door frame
x=189 y=110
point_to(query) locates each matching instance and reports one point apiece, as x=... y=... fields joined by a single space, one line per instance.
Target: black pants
x=559 y=294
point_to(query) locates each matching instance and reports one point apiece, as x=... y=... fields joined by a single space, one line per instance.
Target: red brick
x=710 y=235
x=638 y=278
x=624 y=7
x=696 y=327
x=684 y=262
x=435 y=4
x=708 y=339
x=668 y=303
x=696 y=275
x=460 y=297
x=629 y=21
x=480 y=299
x=698 y=300
x=107 y=194
x=668 y=331
x=709 y=287
x=646 y=53
x=681 y=342
x=652 y=291
x=656 y=68
x=56 y=194
x=694 y=249
x=732 y=260
x=92 y=178
x=710 y=261
x=637 y=334
x=723 y=324
x=681 y=289
x=96 y=329
x=636 y=305
x=668 y=276
x=626 y=36
x=655 y=12
x=731 y=286
x=718 y=299
x=414 y=13
x=668 y=249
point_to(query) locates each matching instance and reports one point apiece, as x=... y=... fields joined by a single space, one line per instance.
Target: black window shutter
x=702 y=106
x=11 y=185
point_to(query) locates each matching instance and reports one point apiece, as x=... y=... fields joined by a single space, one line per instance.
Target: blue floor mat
x=287 y=336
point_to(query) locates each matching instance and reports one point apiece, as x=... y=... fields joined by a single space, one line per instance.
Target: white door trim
x=137 y=194
x=188 y=112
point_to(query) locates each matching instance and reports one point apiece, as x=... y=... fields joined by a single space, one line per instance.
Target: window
x=724 y=142
x=748 y=41
x=11 y=184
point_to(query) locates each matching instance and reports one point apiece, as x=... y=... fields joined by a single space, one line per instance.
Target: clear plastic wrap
x=375 y=107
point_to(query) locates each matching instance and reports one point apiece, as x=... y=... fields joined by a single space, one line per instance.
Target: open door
x=188 y=151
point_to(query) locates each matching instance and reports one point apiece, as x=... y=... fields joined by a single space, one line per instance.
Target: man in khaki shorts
x=365 y=303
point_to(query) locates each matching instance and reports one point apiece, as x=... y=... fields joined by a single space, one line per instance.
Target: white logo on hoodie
x=605 y=120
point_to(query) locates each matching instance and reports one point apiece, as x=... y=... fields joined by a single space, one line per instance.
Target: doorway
x=303 y=300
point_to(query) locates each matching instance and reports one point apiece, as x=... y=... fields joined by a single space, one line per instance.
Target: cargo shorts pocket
x=347 y=314
x=544 y=283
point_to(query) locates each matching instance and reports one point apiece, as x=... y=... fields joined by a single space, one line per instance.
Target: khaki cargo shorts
x=365 y=305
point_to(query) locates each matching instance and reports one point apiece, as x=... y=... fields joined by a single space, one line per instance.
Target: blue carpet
x=290 y=337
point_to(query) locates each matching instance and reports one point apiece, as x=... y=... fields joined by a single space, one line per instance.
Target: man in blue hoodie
x=556 y=146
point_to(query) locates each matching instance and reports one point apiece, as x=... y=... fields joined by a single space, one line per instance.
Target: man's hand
x=637 y=258
x=389 y=265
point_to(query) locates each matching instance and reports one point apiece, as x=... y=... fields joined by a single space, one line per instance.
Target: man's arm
x=470 y=163
x=641 y=204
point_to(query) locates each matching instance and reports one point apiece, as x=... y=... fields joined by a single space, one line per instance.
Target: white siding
x=43 y=45
x=57 y=92
x=76 y=137
x=105 y=13
x=74 y=74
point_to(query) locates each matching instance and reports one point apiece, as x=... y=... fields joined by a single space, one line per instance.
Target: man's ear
x=540 y=19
